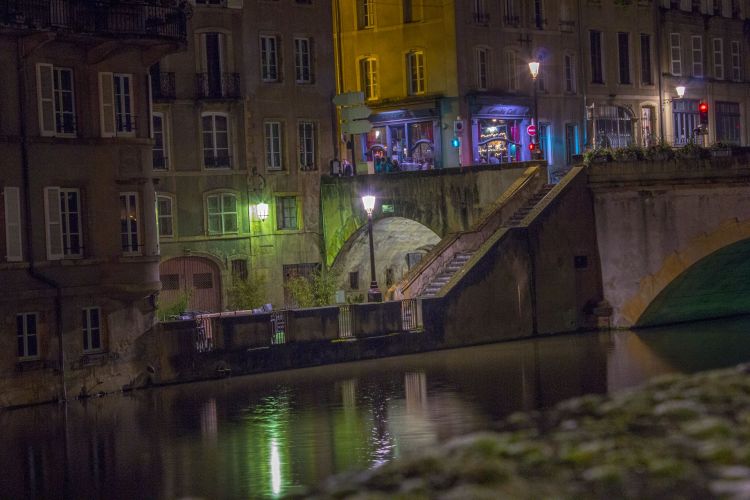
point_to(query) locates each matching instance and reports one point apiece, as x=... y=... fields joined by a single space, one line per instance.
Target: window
x=539 y=20
x=415 y=70
x=303 y=60
x=92 y=338
x=269 y=58
x=11 y=217
x=648 y=125
x=614 y=126
x=597 y=74
x=512 y=67
x=56 y=101
x=63 y=218
x=222 y=213
x=569 y=74
x=26 y=335
x=203 y=281
x=273 y=140
x=164 y=215
x=684 y=119
x=544 y=142
x=511 y=13
x=214 y=82
x=130 y=241
x=216 y=140
x=736 y=61
x=411 y=11
x=159 y=152
x=623 y=55
x=239 y=270
x=480 y=14
x=368 y=71
x=728 y=122
x=354 y=280
x=571 y=142
x=306 y=140
x=646 y=72
x=365 y=14
x=170 y=281
x=697 y=49
x=675 y=54
x=718 y=58
x=482 y=65
x=286 y=212
x=116 y=104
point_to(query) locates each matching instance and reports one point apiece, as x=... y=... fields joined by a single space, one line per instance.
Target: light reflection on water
x=266 y=436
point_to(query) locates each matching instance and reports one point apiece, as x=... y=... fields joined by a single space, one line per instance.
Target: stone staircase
x=434 y=286
x=521 y=213
x=460 y=259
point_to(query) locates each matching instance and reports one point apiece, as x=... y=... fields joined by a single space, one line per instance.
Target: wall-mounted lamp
x=261 y=210
x=680 y=94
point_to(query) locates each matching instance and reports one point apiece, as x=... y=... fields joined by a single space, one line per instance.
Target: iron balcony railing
x=106 y=18
x=163 y=86
x=217 y=85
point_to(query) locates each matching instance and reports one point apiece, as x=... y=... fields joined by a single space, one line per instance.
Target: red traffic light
x=703 y=107
x=703 y=113
x=532 y=146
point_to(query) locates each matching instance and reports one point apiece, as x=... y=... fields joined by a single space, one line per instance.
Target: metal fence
x=279 y=322
x=346 y=322
x=411 y=315
x=203 y=335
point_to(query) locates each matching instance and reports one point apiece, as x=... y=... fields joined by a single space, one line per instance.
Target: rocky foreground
x=676 y=437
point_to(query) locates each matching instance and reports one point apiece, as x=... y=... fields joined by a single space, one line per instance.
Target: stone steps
x=455 y=265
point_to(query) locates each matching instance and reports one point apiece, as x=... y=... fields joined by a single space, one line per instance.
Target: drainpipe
x=29 y=245
x=582 y=76
x=658 y=40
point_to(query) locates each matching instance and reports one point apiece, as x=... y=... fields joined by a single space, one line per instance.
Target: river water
x=265 y=436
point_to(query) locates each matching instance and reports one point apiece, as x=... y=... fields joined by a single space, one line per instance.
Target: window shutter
x=45 y=92
x=54 y=223
x=13 y=224
x=107 y=104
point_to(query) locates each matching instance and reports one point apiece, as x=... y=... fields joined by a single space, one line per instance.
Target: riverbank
x=675 y=437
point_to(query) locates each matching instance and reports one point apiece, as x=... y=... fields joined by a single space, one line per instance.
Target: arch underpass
x=394 y=239
x=715 y=286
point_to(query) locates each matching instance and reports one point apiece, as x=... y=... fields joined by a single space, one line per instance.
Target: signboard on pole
x=349 y=99
x=531 y=130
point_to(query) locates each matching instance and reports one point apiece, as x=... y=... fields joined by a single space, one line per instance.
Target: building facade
x=243 y=117
x=79 y=248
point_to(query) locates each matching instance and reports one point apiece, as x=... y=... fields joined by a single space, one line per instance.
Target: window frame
x=624 y=70
x=569 y=73
x=54 y=103
x=88 y=330
x=23 y=336
x=222 y=213
x=214 y=134
x=675 y=54
x=126 y=100
x=269 y=58
x=596 y=61
x=273 y=145
x=511 y=61
x=282 y=212
x=736 y=56
x=365 y=14
x=65 y=223
x=718 y=56
x=697 y=56
x=482 y=64
x=127 y=230
x=160 y=135
x=303 y=60
x=170 y=216
x=415 y=69
x=307 y=144
x=647 y=65
x=368 y=69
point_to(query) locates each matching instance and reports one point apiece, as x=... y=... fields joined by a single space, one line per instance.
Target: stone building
x=79 y=248
x=243 y=117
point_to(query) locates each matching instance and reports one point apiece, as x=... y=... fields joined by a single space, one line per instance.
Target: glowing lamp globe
x=369 y=202
x=262 y=211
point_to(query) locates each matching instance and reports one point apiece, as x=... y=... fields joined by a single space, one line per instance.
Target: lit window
x=366 y=13
x=222 y=213
x=368 y=70
x=415 y=68
x=130 y=241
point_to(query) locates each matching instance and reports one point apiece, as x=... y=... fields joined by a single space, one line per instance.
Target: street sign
x=356 y=127
x=358 y=112
x=349 y=99
x=531 y=130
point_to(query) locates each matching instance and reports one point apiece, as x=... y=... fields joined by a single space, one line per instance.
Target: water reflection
x=266 y=436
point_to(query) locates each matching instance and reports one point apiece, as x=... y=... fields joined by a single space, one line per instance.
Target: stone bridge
x=673 y=239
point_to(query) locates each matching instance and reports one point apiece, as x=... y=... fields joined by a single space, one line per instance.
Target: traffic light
x=456 y=142
x=532 y=147
x=703 y=112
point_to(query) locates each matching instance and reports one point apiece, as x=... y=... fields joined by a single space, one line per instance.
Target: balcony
x=217 y=86
x=121 y=19
x=162 y=86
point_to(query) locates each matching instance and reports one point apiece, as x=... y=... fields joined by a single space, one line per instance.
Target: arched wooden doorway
x=197 y=277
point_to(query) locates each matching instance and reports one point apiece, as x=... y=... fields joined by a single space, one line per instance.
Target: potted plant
x=629 y=153
x=597 y=155
x=659 y=152
x=692 y=150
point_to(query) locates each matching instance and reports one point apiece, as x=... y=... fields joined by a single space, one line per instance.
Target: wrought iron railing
x=112 y=19
x=217 y=85
x=163 y=86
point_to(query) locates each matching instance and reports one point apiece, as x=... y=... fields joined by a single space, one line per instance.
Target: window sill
x=96 y=358
x=30 y=364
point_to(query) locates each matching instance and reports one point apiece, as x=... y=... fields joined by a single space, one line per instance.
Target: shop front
x=404 y=140
x=498 y=131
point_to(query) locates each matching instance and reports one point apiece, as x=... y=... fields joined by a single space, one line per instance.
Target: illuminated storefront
x=498 y=131
x=406 y=137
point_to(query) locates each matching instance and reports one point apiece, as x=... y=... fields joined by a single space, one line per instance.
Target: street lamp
x=534 y=69
x=262 y=211
x=373 y=294
x=680 y=94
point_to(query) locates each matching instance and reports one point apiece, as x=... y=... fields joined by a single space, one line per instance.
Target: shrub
x=660 y=151
x=597 y=155
x=692 y=150
x=249 y=293
x=316 y=291
x=169 y=310
x=629 y=153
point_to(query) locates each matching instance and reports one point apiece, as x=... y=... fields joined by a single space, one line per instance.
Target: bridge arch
x=399 y=243
x=709 y=278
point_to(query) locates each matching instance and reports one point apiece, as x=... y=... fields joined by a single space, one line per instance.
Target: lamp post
x=534 y=69
x=373 y=294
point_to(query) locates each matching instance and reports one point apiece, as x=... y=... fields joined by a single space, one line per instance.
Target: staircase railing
x=467 y=241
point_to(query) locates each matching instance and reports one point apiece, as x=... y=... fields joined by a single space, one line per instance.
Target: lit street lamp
x=373 y=294
x=262 y=211
x=534 y=69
